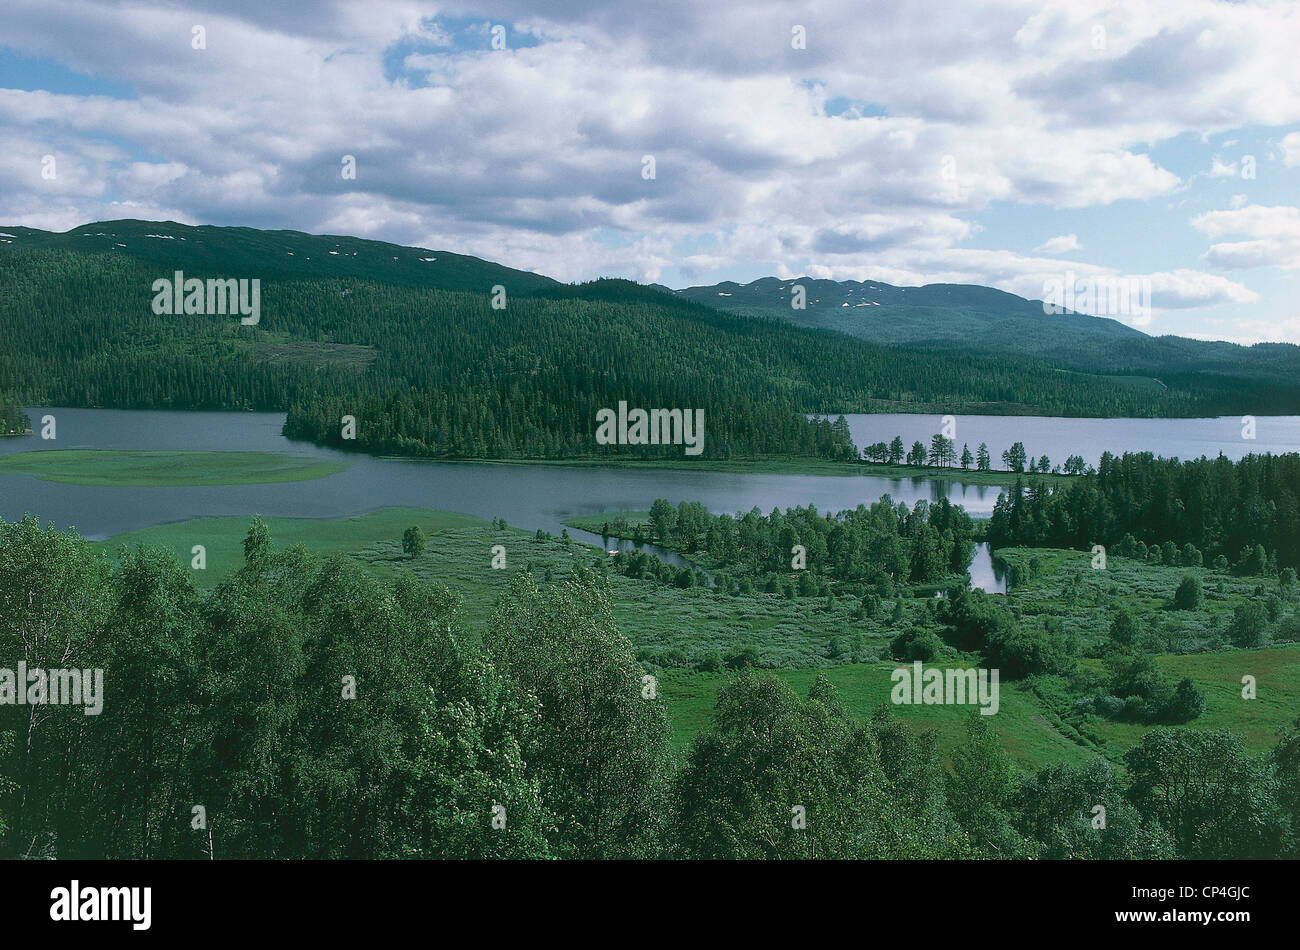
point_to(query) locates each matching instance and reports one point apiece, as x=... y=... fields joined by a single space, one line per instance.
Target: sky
x=683 y=142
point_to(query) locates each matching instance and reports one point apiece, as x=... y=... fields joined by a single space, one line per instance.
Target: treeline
x=1222 y=508
x=305 y=709
x=12 y=419
x=443 y=374
x=869 y=548
x=942 y=453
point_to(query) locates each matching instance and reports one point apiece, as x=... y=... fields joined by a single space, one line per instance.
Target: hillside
x=976 y=319
x=277 y=255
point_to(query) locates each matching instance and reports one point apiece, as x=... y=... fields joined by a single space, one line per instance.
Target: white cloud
x=1061 y=244
x=1222 y=169
x=1291 y=149
x=1273 y=237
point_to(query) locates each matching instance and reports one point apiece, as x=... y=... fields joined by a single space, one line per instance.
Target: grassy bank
x=105 y=467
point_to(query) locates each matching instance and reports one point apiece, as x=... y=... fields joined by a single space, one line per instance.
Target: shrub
x=1187 y=703
x=1135 y=709
x=413 y=541
x=1109 y=706
x=1189 y=594
x=710 y=662
x=738 y=658
x=1249 y=625
x=1124 y=629
x=915 y=644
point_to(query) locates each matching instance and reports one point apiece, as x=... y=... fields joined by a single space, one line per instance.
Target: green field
x=1219 y=675
x=222 y=538
x=111 y=467
x=673 y=629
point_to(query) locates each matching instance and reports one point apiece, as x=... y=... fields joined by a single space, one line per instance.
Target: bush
x=1021 y=653
x=1135 y=709
x=1253 y=560
x=915 y=644
x=710 y=662
x=738 y=658
x=1189 y=594
x=413 y=541
x=1124 y=629
x=1249 y=625
x=1127 y=547
x=1109 y=706
x=1187 y=703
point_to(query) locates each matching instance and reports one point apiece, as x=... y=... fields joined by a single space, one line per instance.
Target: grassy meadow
x=179 y=468
x=676 y=630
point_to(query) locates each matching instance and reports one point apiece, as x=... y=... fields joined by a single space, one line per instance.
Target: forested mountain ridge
x=977 y=319
x=439 y=371
x=248 y=252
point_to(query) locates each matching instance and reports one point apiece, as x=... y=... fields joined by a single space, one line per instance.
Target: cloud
x=1273 y=237
x=533 y=155
x=1061 y=244
x=1291 y=149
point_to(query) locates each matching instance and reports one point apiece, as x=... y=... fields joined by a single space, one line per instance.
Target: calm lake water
x=1060 y=438
x=542 y=496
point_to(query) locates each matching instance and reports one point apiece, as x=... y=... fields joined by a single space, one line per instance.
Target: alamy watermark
x=1099 y=296
x=214 y=296
x=35 y=686
x=651 y=427
x=917 y=686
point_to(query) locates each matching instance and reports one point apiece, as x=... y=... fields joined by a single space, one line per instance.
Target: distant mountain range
x=975 y=319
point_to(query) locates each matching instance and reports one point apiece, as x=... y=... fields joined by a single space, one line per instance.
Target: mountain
x=975 y=319
x=966 y=316
x=248 y=252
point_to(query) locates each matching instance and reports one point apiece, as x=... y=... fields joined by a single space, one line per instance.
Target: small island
x=13 y=421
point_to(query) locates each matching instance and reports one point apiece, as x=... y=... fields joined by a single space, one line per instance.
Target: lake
x=542 y=496
x=1060 y=438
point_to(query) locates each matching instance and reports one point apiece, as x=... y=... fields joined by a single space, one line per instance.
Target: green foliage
x=1186 y=704
x=600 y=744
x=258 y=540
x=323 y=708
x=13 y=421
x=1214 y=799
x=1057 y=806
x=779 y=778
x=1189 y=595
x=980 y=788
x=413 y=543
x=1249 y=625
x=1243 y=509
